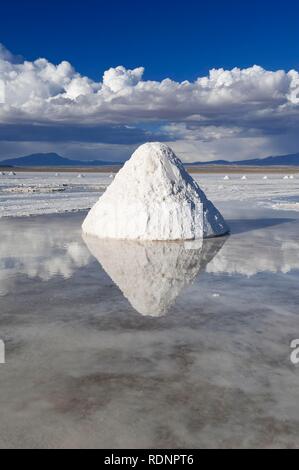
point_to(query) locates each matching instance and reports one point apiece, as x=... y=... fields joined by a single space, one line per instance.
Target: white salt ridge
x=154 y=198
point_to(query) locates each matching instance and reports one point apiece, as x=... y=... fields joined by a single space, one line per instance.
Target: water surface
x=176 y=345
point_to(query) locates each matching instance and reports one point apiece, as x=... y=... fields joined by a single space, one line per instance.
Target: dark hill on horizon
x=55 y=160
x=52 y=159
x=280 y=160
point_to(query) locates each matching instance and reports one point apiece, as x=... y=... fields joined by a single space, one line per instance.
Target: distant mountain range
x=55 y=160
x=281 y=160
x=51 y=159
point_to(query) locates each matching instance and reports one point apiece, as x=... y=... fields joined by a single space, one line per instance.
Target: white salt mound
x=154 y=198
x=244 y=177
x=226 y=177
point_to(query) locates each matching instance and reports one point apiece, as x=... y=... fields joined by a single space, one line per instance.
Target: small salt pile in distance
x=244 y=177
x=226 y=177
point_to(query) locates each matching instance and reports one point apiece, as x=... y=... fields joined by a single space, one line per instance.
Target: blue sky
x=170 y=40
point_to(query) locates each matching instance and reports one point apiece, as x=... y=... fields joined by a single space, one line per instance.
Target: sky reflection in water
x=206 y=364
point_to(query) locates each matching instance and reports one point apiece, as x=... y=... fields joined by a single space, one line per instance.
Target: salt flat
x=35 y=193
x=103 y=350
x=45 y=193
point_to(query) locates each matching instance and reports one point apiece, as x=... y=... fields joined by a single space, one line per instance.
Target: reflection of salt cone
x=152 y=274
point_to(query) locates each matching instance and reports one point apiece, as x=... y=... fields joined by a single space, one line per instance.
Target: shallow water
x=190 y=348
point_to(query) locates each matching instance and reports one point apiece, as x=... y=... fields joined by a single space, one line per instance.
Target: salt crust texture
x=153 y=197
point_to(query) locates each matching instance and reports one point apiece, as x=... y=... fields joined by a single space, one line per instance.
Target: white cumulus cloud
x=251 y=103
